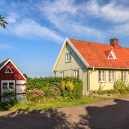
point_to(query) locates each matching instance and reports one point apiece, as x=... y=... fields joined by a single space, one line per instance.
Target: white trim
x=62 y=74
x=68 y=57
x=59 y=55
x=102 y=76
x=20 y=82
x=74 y=49
x=13 y=65
x=76 y=73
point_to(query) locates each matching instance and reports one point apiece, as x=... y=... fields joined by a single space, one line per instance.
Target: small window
x=123 y=76
x=76 y=73
x=68 y=57
x=8 y=70
x=111 y=55
x=111 y=76
x=102 y=76
x=62 y=74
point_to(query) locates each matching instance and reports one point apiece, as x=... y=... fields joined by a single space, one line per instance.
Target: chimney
x=114 y=42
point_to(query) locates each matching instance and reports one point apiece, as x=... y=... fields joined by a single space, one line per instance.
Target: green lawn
x=26 y=105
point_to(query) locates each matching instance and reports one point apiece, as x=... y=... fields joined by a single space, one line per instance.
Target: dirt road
x=109 y=114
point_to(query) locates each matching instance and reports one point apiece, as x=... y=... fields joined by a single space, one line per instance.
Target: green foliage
x=4 y=106
x=119 y=84
x=2 y=21
x=9 y=96
x=54 y=89
x=28 y=105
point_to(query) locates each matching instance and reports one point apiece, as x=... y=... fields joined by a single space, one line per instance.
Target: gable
x=8 y=70
x=110 y=54
x=68 y=46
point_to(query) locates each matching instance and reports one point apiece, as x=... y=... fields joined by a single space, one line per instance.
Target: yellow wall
x=94 y=84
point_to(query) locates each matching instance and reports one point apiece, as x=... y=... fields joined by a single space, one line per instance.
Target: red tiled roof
x=95 y=54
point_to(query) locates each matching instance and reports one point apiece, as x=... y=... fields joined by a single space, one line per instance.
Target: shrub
x=53 y=88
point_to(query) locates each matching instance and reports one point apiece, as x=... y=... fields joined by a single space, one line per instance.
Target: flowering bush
x=35 y=95
x=53 y=88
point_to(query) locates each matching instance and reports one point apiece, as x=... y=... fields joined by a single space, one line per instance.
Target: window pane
x=5 y=87
x=11 y=85
x=101 y=76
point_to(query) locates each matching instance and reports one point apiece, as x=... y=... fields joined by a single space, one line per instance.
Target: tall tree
x=2 y=21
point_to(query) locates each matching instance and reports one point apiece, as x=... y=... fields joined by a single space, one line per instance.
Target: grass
x=27 y=105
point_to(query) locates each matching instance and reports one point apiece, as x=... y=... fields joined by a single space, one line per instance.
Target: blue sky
x=37 y=29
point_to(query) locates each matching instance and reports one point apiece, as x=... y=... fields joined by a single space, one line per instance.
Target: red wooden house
x=11 y=80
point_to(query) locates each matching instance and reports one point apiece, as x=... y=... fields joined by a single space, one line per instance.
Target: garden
x=56 y=92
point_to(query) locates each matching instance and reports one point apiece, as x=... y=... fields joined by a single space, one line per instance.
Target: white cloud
x=113 y=11
x=66 y=16
x=30 y=29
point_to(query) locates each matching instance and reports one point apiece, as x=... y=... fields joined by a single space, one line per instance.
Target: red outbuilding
x=11 y=80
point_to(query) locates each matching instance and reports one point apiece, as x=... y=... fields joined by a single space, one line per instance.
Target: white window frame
x=111 y=76
x=76 y=73
x=7 y=70
x=67 y=57
x=8 y=89
x=124 y=75
x=62 y=74
x=102 y=76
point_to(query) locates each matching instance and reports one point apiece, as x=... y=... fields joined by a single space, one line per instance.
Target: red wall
x=10 y=76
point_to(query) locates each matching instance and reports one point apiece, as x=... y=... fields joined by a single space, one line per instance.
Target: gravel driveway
x=109 y=114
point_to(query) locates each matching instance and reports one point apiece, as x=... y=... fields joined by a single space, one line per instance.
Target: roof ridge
x=96 y=43
x=89 y=41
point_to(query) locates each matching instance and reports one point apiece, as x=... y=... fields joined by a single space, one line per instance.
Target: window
x=76 y=73
x=102 y=76
x=8 y=70
x=123 y=76
x=111 y=76
x=111 y=55
x=68 y=57
x=8 y=86
x=62 y=74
